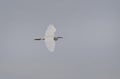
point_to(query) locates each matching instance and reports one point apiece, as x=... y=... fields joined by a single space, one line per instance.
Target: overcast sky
x=90 y=48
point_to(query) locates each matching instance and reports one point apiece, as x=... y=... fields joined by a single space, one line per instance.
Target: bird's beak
x=60 y=37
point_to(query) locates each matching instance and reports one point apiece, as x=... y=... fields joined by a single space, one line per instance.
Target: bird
x=50 y=37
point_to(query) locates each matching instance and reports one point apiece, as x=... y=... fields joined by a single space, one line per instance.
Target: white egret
x=50 y=38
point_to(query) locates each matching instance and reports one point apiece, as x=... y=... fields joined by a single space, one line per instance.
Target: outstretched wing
x=50 y=32
x=49 y=38
x=50 y=44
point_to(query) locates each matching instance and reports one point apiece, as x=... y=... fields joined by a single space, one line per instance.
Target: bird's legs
x=39 y=39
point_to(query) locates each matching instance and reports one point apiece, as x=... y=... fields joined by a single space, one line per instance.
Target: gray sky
x=90 y=48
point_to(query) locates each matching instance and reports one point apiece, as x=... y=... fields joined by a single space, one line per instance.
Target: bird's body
x=50 y=38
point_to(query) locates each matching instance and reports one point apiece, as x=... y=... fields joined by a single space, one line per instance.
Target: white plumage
x=49 y=38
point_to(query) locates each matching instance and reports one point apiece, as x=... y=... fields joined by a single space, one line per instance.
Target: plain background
x=90 y=48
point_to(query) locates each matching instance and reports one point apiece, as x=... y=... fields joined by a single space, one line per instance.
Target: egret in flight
x=50 y=38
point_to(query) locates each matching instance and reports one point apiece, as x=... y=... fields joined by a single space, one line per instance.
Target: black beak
x=60 y=37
